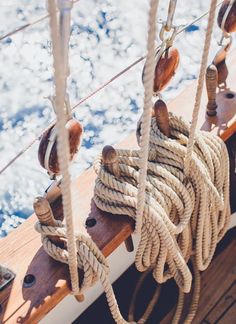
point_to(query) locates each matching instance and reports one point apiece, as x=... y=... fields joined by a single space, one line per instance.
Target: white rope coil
x=199 y=212
x=180 y=217
x=89 y=258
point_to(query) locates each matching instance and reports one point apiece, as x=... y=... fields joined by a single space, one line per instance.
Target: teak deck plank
x=21 y=250
x=230 y=316
x=223 y=305
x=217 y=287
x=216 y=280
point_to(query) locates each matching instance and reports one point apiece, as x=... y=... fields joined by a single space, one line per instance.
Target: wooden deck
x=217 y=301
x=22 y=252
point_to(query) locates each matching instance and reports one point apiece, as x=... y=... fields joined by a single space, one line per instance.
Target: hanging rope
x=63 y=143
x=147 y=111
x=200 y=84
x=170 y=17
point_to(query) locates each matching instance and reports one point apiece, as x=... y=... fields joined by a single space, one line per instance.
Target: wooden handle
x=110 y=160
x=220 y=63
x=230 y=23
x=129 y=244
x=45 y=216
x=111 y=163
x=211 y=85
x=44 y=213
x=162 y=117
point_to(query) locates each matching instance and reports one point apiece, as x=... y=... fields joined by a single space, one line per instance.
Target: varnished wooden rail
x=21 y=250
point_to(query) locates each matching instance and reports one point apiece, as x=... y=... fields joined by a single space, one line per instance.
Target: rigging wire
x=29 y=24
x=101 y=87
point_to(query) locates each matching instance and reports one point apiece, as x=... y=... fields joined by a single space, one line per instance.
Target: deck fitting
x=6 y=276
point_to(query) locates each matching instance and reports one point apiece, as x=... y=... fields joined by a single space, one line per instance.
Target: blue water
x=106 y=37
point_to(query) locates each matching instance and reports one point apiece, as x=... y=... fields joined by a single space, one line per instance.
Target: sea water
x=106 y=36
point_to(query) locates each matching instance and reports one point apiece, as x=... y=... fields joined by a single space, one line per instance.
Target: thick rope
x=200 y=84
x=147 y=111
x=151 y=304
x=171 y=12
x=181 y=218
x=89 y=258
x=63 y=144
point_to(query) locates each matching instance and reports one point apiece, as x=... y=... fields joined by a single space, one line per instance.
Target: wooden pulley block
x=230 y=23
x=47 y=152
x=165 y=68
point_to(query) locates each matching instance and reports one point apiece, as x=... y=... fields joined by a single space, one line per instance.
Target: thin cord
x=29 y=24
x=101 y=87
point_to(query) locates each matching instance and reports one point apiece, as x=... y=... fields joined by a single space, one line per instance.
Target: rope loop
x=181 y=214
x=168 y=37
x=89 y=257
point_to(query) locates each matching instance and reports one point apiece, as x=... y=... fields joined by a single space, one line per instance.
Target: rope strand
x=29 y=24
x=147 y=112
x=179 y=219
x=200 y=84
x=63 y=145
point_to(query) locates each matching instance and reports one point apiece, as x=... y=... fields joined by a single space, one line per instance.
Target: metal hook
x=67 y=107
x=170 y=35
x=228 y=37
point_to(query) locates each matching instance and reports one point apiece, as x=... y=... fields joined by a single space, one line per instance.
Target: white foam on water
x=106 y=36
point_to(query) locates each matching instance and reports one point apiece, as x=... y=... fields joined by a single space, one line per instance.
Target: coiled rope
x=191 y=214
x=180 y=218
